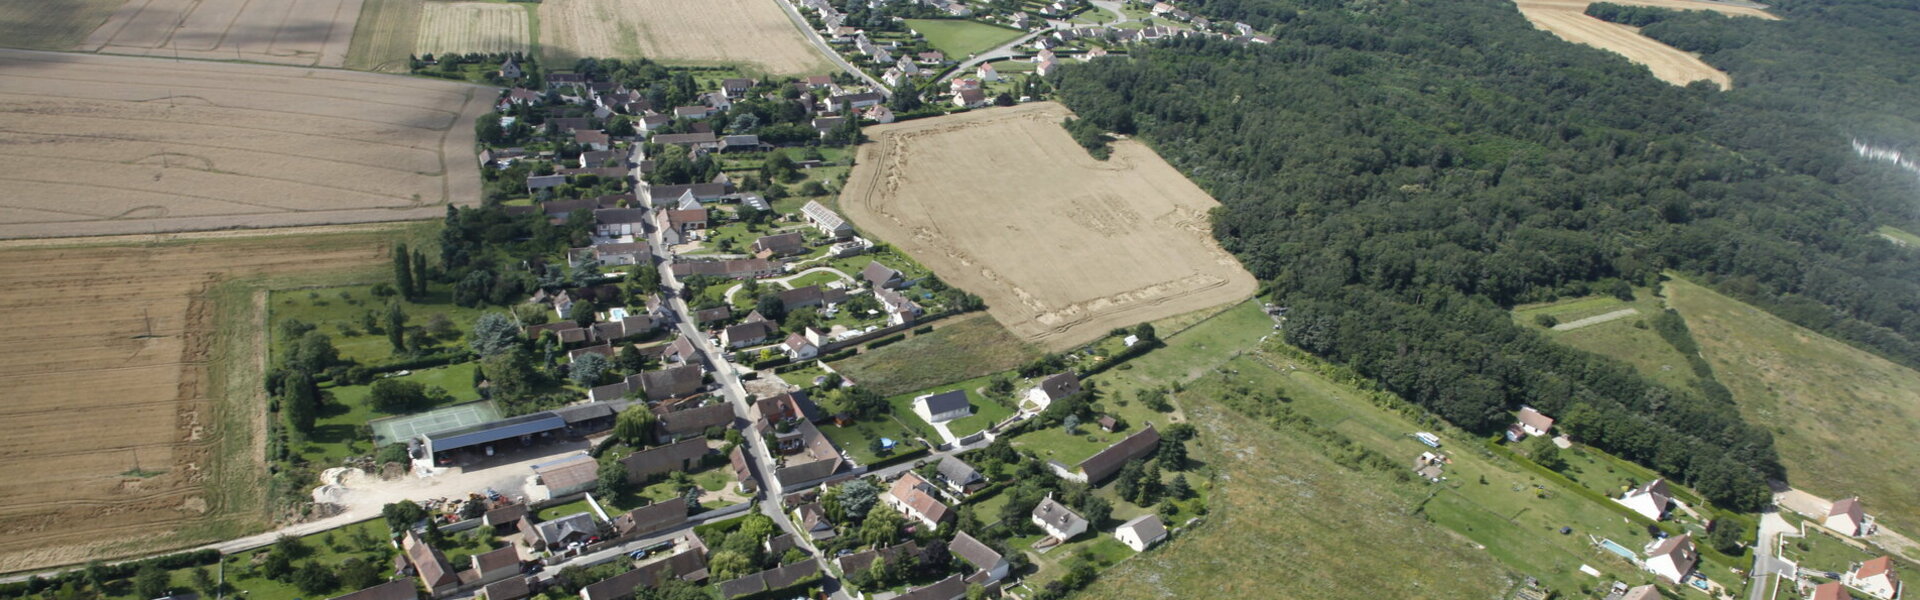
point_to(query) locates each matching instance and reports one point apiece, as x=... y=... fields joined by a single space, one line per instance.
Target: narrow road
x=1764 y=563
x=820 y=43
x=998 y=52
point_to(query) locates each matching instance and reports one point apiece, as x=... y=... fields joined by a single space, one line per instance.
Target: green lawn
x=885 y=254
x=1100 y=548
x=959 y=38
x=366 y=540
x=986 y=412
x=560 y=510
x=1624 y=339
x=337 y=432
x=855 y=439
x=1899 y=236
x=958 y=348
x=339 y=312
x=803 y=377
x=1823 y=552
x=820 y=279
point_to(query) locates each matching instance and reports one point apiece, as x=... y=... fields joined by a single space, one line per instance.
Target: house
x=694 y=421
x=497 y=565
x=570 y=475
x=1046 y=68
x=670 y=383
x=774 y=416
x=1847 y=517
x=959 y=476
x=989 y=565
x=536 y=183
x=504 y=516
x=916 y=498
x=600 y=158
x=735 y=87
x=560 y=80
x=665 y=196
x=711 y=315
x=1831 y=590
x=818 y=81
x=942 y=407
x=616 y=222
x=1533 y=423
x=812 y=519
x=986 y=73
x=679 y=456
x=748 y=333
x=843 y=103
x=817 y=459
x=688 y=564
x=429 y=565
x=1142 y=532
x=1057 y=521
x=797 y=347
x=880 y=114
x=677 y=225
x=692 y=112
x=881 y=276
x=1875 y=578
x=595 y=139
x=1672 y=558
x=826 y=125
x=1652 y=500
x=1054 y=387
x=828 y=222
x=783 y=244
x=398 y=589
x=520 y=96
x=742 y=143
x=970 y=98
x=811 y=295
x=690 y=141
x=1100 y=466
x=742 y=472
x=1645 y=592
x=623 y=253
x=511 y=588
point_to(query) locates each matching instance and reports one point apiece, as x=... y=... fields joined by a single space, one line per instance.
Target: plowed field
x=311 y=33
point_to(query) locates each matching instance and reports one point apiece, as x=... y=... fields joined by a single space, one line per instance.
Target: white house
x=1059 y=522
x=986 y=73
x=799 y=347
x=1142 y=532
x=1652 y=500
x=983 y=559
x=1529 y=423
x=1875 y=578
x=944 y=406
x=1054 y=387
x=914 y=497
x=1672 y=558
x=1847 y=517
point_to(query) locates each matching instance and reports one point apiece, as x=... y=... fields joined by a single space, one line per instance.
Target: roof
x=511 y=588
x=878 y=274
x=1060 y=385
x=1645 y=592
x=503 y=558
x=668 y=383
x=1147 y=527
x=584 y=412
x=505 y=514
x=822 y=215
x=610 y=216
x=664 y=459
x=957 y=471
x=1058 y=515
x=428 y=562
x=652 y=517
x=1874 y=567
x=1533 y=418
x=1681 y=549
x=1099 y=466
x=557 y=530
x=509 y=428
x=1831 y=590
x=398 y=589
x=966 y=548
x=708 y=315
x=915 y=493
x=945 y=589
x=785 y=242
x=749 y=331
x=1849 y=507
x=861 y=561
x=569 y=474
x=686 y=139
x=947 y=401
x=692 y=420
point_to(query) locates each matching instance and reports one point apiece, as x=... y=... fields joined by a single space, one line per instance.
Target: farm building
x=569 y=475
x=828 y=222
x=516 y=432
x=1100 y=466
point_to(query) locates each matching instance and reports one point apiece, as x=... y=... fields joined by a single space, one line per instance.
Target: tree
x=645 y=279
x=403 y=270
x=419 y=274
x=313 y=353
x=396 y=396
x=1178 y=489
x=1173 y=454
x=1095 y=510
x=358 y=574
x=771 y=307
x=858 y=497
x=277 y=567
x=728 y=564
x=634 y=426
x=150 y=581
x=402 y=515
x=1545 y=454
x=881 y=527
x=588 y=368
x=203 y=582
x=582 y=312
x=1727 y=535
x=397 y=326
x=630 y=360
x=300 y=402
x=493 y=333
x=511 y=373
x=314 y=578
x=611 y=479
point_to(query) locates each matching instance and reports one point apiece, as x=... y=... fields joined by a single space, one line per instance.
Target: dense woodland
x=1401 y=174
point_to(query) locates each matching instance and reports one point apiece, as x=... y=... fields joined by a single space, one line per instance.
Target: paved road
x=1764 y=563
x=820 y=43
x=783 y=280
x=999 y=52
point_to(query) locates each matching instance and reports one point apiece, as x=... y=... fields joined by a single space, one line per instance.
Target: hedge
x=899 y=458
x=170 y=562
x=886 y=340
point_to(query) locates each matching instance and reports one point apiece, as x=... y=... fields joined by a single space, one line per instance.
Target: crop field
x=960 y=38
x=52 y=24
x=755 y=35
x=1567 y=20
x=118 y=400
x=156 y=145
x=463 y=27
x=308 y=33
x=1124 y=241
x=1843 y=419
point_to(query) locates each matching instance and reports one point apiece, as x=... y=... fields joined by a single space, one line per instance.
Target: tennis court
x=400 y=429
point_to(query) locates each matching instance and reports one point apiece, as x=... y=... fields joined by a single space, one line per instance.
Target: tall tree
x=397 y=326
x=419 y=274
x=300 y=401
x=493 y=333
x=403 y=270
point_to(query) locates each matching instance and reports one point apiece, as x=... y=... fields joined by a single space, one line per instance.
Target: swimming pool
x=1610 y=546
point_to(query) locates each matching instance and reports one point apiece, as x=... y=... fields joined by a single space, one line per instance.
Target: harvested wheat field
x=755 y=35
x=1567 y=19
x=463 y=27
x=1062 y=247
x=113 y=417
x=309 y=33
x=157 y=145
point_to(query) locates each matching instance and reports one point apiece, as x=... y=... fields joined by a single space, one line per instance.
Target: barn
x=486 y=438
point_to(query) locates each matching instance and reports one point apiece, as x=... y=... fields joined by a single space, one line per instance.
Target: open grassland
x=1899 y=236
x=1843 y=419
x=52 y=24
x=1626 y=338
x=156 y=145
x=119 y=410
x=1567 y=19
x=384 y=36
x=1062 y=247
x=961 y=348
x=1287 y=522
x=463 y=27
x=308 y=33
x=755 y=35
x=960 y=38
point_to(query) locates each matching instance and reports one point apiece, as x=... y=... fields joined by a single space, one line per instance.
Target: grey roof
x=958 y=472
x=1147 y=526
x=878 y=274
x=1058 y=515
x=973 y=551
x=552 y=532
x=511 y=588
x=398 y=589
x=813 y=209
x=442 y=441
x=1060 y=385
x=947 y=401
x=946 y=589
x=584 y=412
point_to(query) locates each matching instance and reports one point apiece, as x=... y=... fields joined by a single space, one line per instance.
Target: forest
x=1401 y=174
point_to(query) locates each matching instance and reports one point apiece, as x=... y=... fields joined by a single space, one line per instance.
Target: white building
x=1672 y=558
x=1142 y=532
x=1059 y=522
x=1875 y=578
x=1652 y=500
x=1054 y=387
x=984 y=559
x=944 y=406
x=1847 y=517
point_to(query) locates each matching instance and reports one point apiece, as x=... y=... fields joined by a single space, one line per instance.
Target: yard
x=856 y=439
x=959 y=348
x=959 y=38
x=342 y=314
x=337 y=432
x=365 y=540
x=985 y=412
x=1822 y=552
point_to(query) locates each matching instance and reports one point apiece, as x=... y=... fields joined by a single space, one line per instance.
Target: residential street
x=820 y=43
x=1764 y=563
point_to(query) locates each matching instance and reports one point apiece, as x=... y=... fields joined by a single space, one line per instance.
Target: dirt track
x=312 y=33
x=159 y=145
x=754 y=34
x=1063 y=248
x=105 y=360
x=1567 y=19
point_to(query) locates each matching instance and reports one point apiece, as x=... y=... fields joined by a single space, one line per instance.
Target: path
x=1597 y=319
x=728 y=297
x=820 y=43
